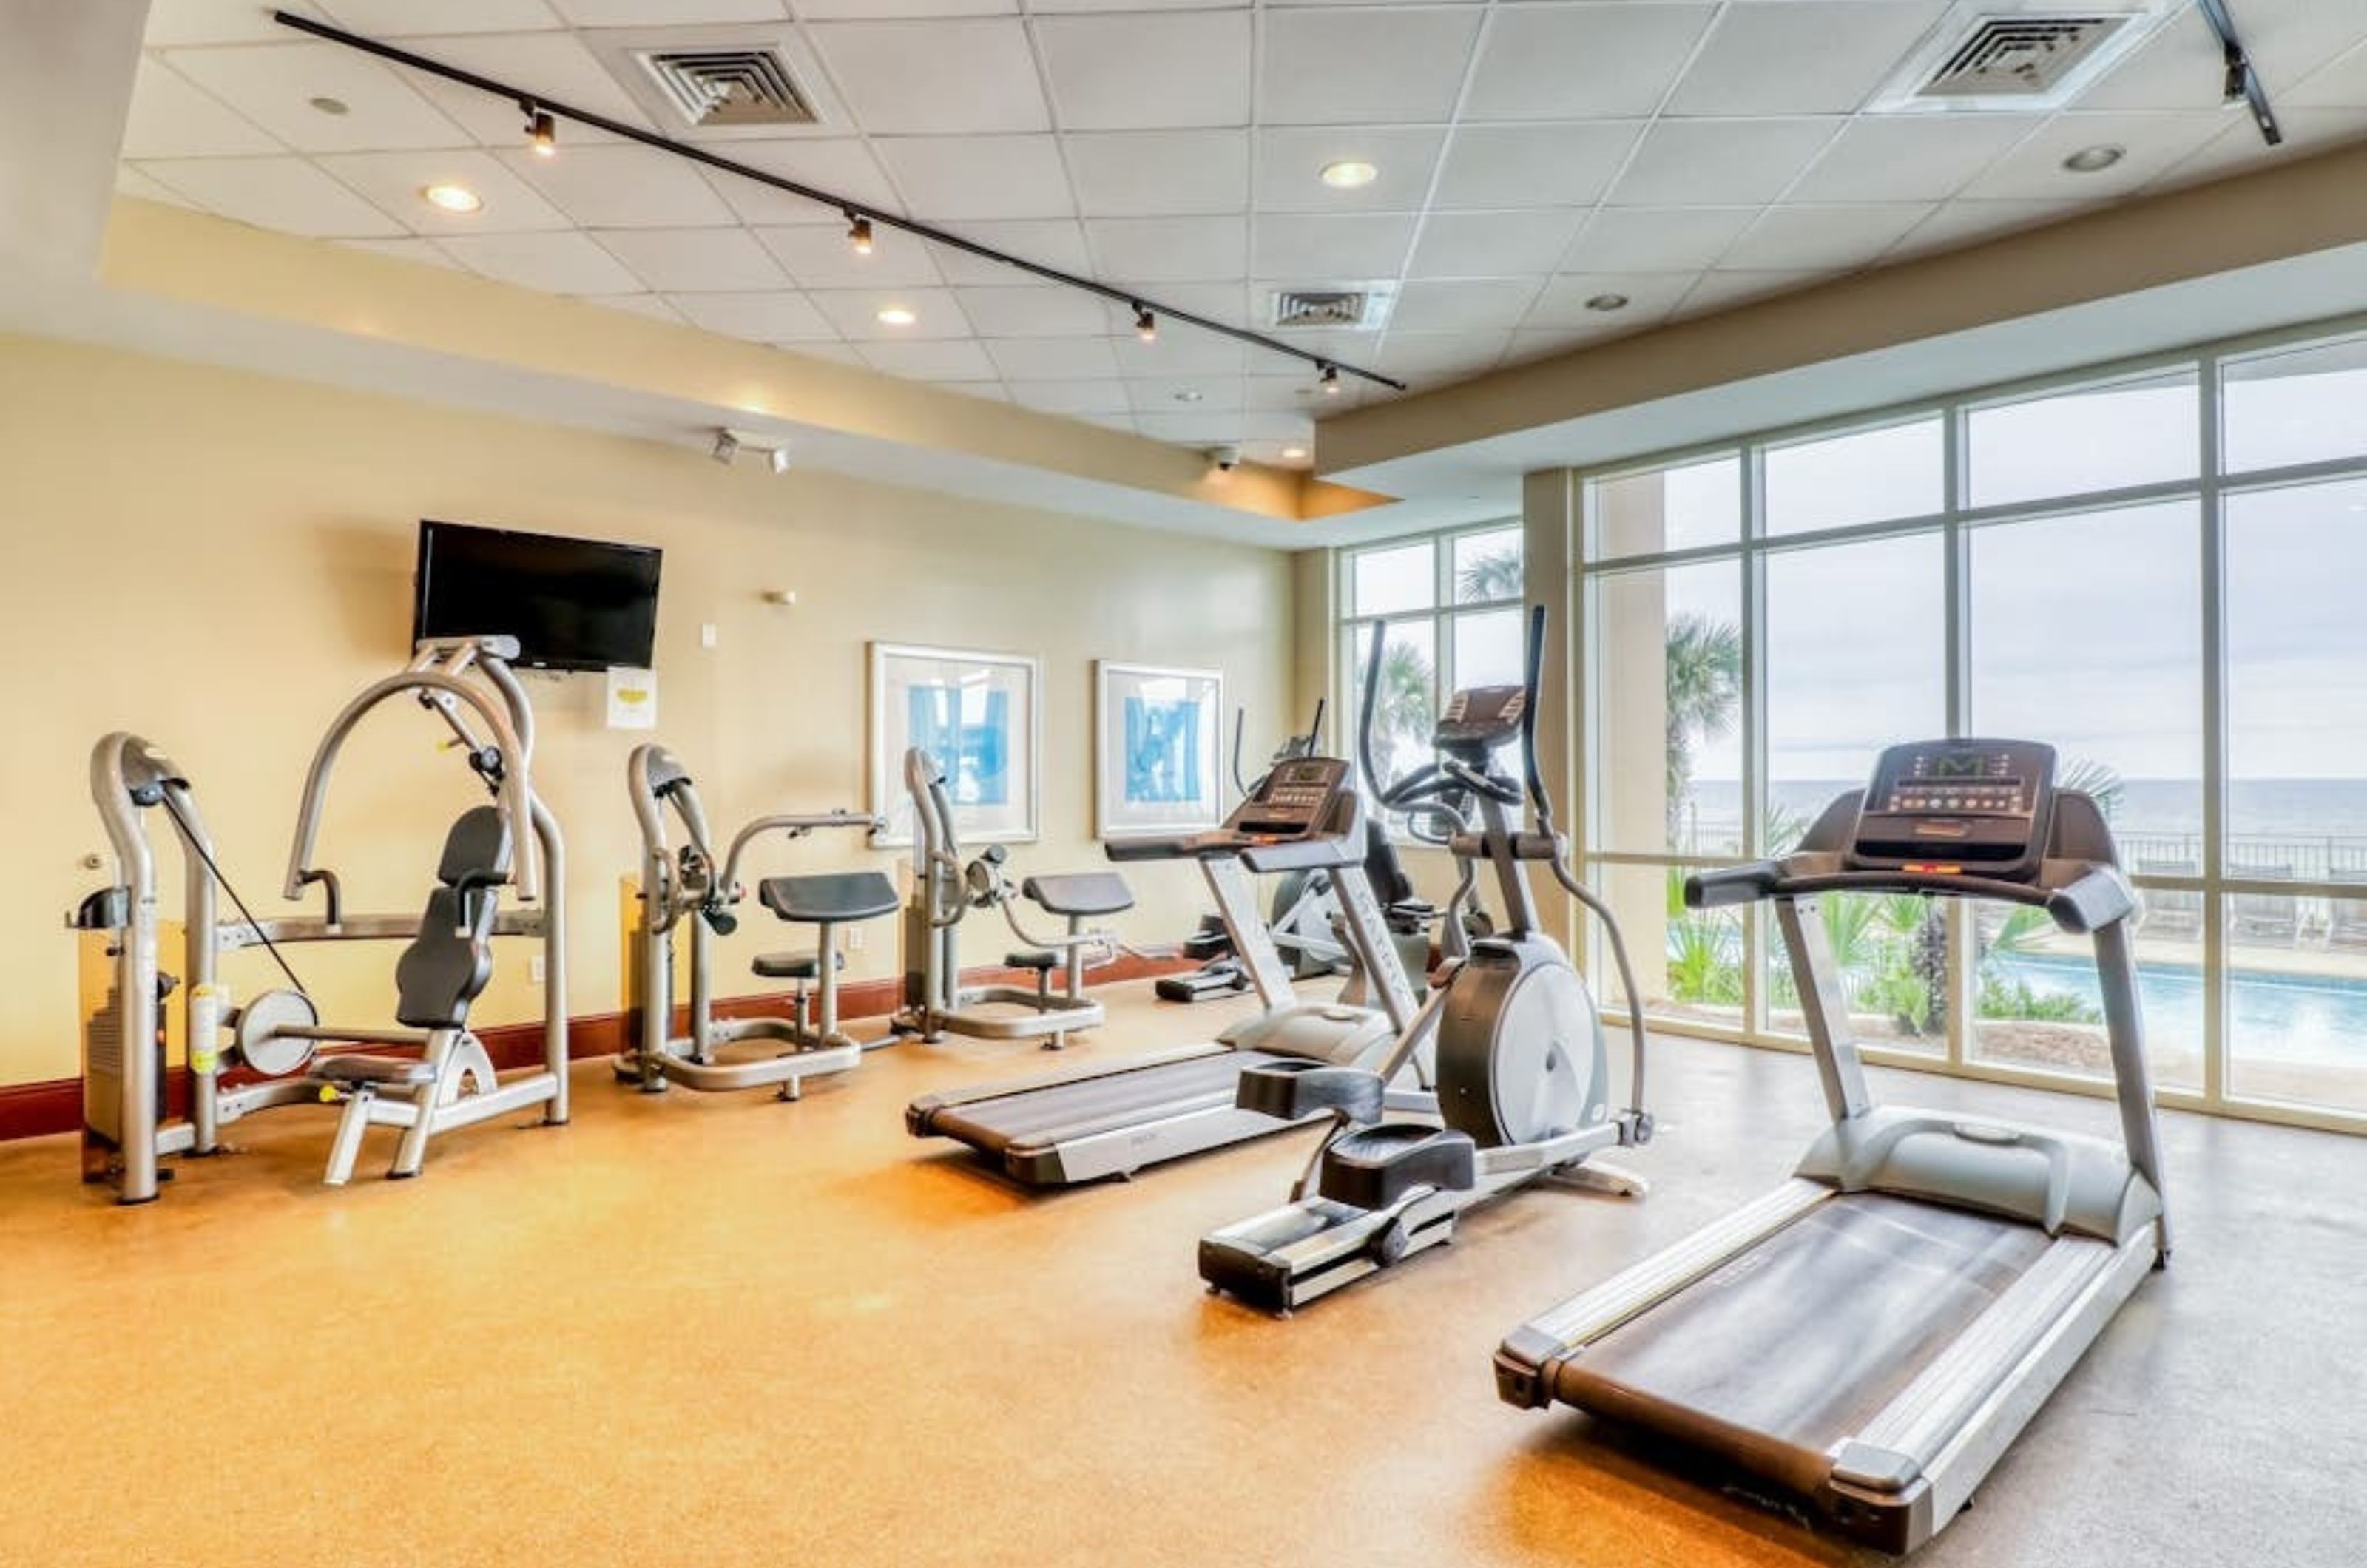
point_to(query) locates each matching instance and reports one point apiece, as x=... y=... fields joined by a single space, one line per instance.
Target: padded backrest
x=833 y=895
x=1082 y=893
x=477 y=848
x=1382 y=867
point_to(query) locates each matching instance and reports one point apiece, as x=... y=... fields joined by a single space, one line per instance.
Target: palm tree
x=1401 y=707
x=1496 y=574
x=2100 y=781
x=1704 y=671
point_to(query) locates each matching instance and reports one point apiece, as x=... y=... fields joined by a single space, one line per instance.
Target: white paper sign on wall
x=632 y=698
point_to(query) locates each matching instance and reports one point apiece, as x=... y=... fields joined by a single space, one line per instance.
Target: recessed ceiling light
x=1349 y=174
x=1607 y=302
x=2096 y=159
x=896 y=316
x=452 y=198
x=1292 y=454
x=329 y=106
x=1188 y=396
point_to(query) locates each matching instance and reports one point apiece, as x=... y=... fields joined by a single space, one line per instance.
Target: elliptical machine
x=1522 y=1087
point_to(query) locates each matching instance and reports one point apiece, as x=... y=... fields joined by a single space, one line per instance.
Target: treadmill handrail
x=2097 y=896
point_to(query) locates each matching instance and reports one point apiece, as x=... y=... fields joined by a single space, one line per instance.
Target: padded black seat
x=449 y=962
x=1042 y=962
x=829 y=897
x=1083 y=893
x=793 y=965
x=373 y=1070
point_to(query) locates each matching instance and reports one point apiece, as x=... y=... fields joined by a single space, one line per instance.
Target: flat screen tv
x=572 y=603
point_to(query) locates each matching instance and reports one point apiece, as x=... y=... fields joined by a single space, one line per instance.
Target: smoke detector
x=2018 y=56
x=1363 y=307
x=717 y=81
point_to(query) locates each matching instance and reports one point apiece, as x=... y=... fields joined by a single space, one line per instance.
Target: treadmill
x=1070 y=1127
x=1873 y=1334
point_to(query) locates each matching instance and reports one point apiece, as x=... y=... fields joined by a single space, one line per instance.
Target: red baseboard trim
x=39 y=1110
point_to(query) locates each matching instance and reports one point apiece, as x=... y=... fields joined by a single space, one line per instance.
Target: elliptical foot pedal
x=1376 y=1167
x=1293 y=1090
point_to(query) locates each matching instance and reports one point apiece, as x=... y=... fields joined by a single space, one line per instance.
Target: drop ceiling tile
x=1475 y=305
x=1124 y=421
x=2033 y=170
x=667 y=13
x=173 y=22
x=845 y=168
x=1657 y=239
x=1047 y=241
x=1053 y=359
x=623 y=186
x=959 y=77
x=697 y=261
x=1910 y=157
x=1071 y=397
x=1277 y=429
x=649 y=305
x=1187 y=394
x=948 y=359
x=860 y=10
x=286 y=193
x=1141 y=71
x=172 y=119
x=2177 y=68
x=1544 y=342
x=1492 y=244
x=1326 y=68
x=1314 y=247
x=1152 y=174
x=555 y=63
x=1282 y=393
x=555 y=264
x=1961 y=224
x=1411 y=355
x=273 y=85
x=1052 y=7
x=1499 y=167
x=408 y=18
x=1804 y=238
x=1218 y=301
x=394 y=181
x=129 y=180
x=1712 y=163
x=2340 y=84
x=419 y=251
x=785 y=317
x=1181 y=350
x=1650 y=296
x=2289 y=40
x=1804 y=57
x=1724 y=290
x=1034 y=311
x=948 y=178
x=1151 y=250
x=856 y=313
x=2240 y=147
x=1291 y=159
x=818 y=257
x=1582 y=62
x=1190 y=427
x=836 y=353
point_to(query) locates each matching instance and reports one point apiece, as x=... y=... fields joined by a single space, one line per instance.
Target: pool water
x=2292 y=1017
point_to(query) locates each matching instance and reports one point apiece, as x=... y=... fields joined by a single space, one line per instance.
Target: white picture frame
x=1158 y=750
x=979 y=711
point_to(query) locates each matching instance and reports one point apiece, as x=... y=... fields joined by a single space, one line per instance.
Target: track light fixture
x=731 y=443
x=542 y=114
x=727 y=446
x=1331 y=381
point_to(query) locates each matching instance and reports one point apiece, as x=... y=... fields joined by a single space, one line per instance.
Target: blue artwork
x=970 y=739
x=1162 y=751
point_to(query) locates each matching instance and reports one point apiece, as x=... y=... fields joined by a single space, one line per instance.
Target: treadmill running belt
x=1106 y=1102
x=1799 y=1342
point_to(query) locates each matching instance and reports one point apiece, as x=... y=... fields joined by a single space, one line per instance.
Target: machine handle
x=1732 y=885
x=2097 y=896
x=331 y=891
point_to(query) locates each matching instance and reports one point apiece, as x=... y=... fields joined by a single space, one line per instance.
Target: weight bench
x=824 y=900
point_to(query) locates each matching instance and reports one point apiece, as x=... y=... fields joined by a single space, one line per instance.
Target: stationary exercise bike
x=1522 y=1088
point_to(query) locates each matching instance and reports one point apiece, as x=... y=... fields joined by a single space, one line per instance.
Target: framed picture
x=975 y=713
x=1158 y=750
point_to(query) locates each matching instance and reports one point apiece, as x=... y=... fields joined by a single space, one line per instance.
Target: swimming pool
x=2294 y=1018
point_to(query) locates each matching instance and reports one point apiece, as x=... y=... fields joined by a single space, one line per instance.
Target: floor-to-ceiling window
x=2161 y=570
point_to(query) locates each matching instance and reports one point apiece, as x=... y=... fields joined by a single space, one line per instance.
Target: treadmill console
x=1296 y=802
x=1958 y=804
x=1478 y=719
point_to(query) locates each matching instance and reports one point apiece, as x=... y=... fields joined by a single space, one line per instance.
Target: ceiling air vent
x=1356 y=310
x=2018 y=56
x=726 y=86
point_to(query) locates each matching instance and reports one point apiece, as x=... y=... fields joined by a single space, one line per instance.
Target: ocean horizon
x=2309 y=810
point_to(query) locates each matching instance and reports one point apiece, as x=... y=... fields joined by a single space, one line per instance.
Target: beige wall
x=218 y=561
